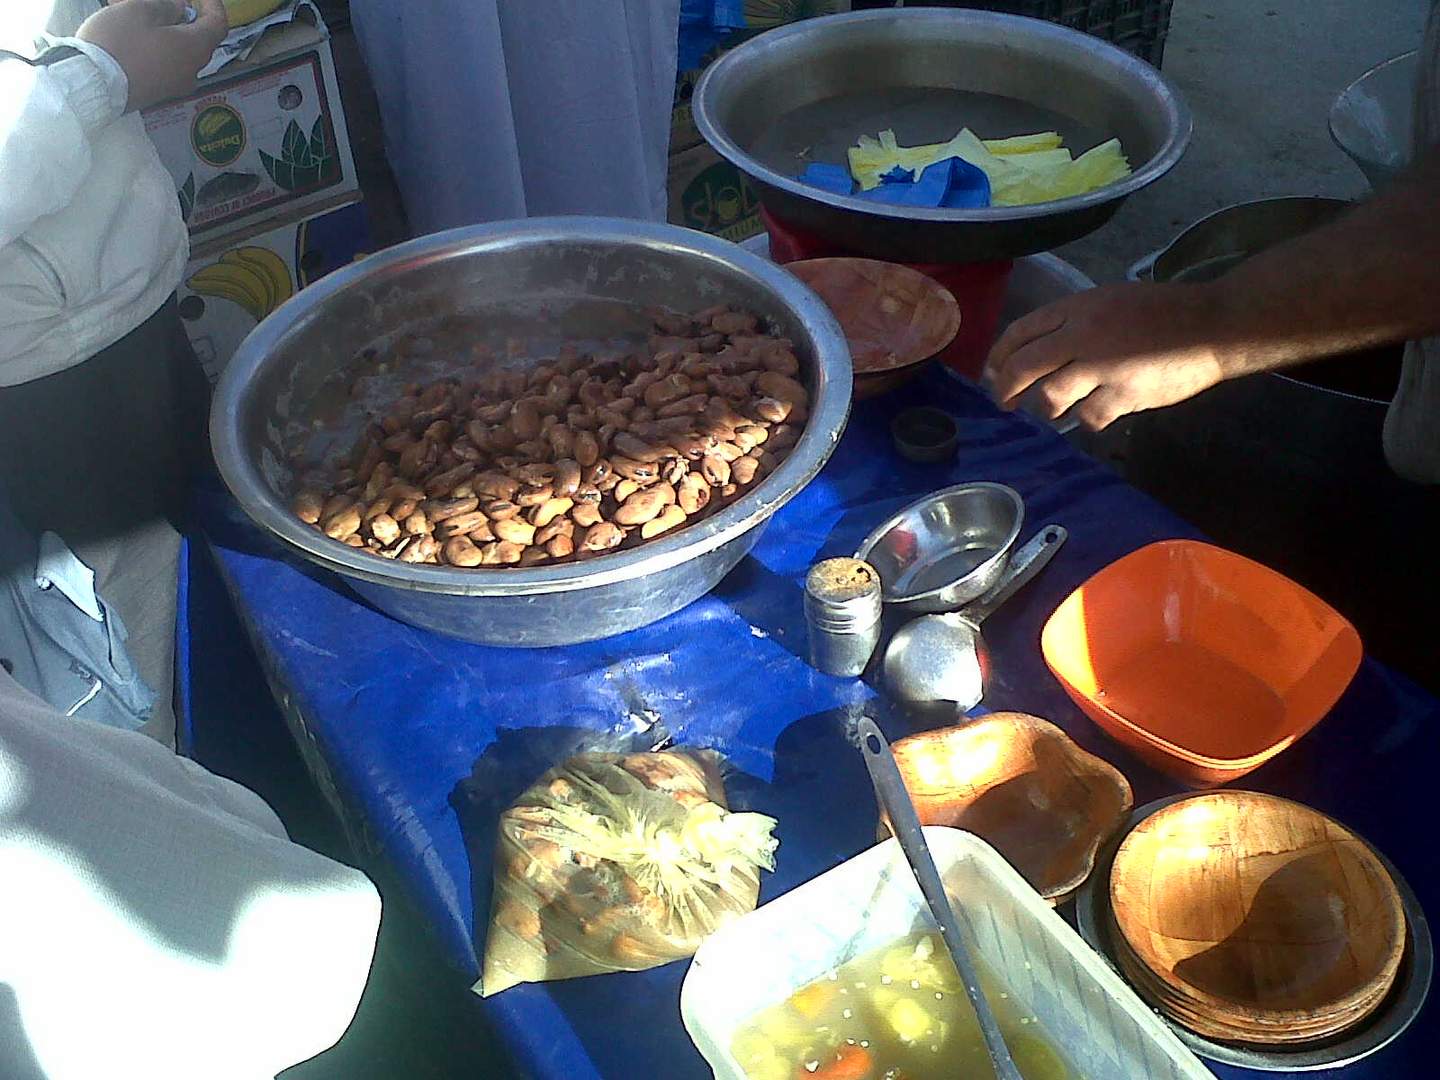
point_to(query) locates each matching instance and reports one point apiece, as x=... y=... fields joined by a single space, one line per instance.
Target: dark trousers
x=97 y=449
x=100 y=454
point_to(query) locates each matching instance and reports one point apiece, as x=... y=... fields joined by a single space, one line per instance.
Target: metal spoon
x=895 y=802
x=943 y=657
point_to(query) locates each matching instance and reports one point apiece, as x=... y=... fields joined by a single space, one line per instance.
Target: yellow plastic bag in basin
x=1023 y=169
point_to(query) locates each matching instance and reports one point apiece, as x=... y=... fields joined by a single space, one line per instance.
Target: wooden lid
x=892 y=315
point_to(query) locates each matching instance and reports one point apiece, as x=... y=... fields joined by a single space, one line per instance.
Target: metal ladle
x=895 y=802
x=943 y=657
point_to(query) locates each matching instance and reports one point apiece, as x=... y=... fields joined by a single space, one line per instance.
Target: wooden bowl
x=894 y=317
x=1271 y=1037
x=1251 y=918
x=1021 y=784
x=1259 y=1034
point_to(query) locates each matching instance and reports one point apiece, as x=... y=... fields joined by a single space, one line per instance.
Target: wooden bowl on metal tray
x=1022 y=785
x=1252 y=919
x=894 y=317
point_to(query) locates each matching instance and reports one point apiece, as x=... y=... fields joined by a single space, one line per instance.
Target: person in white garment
x=102 y=405
x=1372 y=278
x=155 y=921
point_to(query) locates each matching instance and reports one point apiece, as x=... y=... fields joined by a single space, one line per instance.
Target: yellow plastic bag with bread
x=619 y=862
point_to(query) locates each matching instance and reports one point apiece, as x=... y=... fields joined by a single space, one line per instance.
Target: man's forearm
x=1371 y=278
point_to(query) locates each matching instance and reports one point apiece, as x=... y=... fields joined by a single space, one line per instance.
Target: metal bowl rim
x=1177 y=113
x=1146 y=267
x=1399 y=58
x=1400 y=1009
x=822 y=431
x=1334 y=114
x=879 y=532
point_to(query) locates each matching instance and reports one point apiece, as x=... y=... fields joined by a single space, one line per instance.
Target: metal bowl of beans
x=303 y=390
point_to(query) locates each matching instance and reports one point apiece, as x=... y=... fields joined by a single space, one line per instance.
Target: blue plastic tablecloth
x=419 y=741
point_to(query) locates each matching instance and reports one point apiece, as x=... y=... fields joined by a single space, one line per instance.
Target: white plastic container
x=760 y=959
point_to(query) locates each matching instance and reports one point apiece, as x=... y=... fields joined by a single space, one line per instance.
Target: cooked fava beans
x=576 y=457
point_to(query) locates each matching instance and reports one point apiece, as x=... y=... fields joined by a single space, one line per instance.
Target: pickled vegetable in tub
x=619 y=862
x=897 y=1013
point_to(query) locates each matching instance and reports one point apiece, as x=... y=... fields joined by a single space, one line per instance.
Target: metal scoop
x=895 y=802
x=943 y=657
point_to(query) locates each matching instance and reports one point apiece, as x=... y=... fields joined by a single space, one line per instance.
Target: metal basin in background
x=807 y=91
x=1373 y=118
x=575 y=277
x=1220 y=240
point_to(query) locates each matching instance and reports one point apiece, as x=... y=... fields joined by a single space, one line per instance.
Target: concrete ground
x=1259 y=76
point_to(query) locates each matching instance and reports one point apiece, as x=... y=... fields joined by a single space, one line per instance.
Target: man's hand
x=159 y=52
x=1111 y=351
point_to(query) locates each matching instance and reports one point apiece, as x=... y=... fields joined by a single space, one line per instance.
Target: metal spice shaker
x=842 y=611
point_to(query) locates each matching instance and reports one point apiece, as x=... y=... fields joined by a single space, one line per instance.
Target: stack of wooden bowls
x=1256 y=921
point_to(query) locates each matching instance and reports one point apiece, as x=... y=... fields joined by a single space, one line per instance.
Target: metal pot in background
x=1372 y=118
x=1220 y=240
x=1290 y=469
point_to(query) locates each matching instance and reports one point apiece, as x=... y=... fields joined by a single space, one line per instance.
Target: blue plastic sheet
x=953 y=183
x=420 y=740
x=705 y=24
x=835 y=179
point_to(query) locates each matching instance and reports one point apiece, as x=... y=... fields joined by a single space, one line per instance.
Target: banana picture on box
x=254 y=277
x=242 y=12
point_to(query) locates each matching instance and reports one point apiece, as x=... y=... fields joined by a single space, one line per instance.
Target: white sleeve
x=154 y=919
x=49 y=112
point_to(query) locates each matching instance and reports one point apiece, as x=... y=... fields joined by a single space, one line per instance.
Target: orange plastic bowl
x=1205 y=663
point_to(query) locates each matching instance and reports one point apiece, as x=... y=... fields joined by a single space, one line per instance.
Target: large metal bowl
x=579 y=268
x=805 y=92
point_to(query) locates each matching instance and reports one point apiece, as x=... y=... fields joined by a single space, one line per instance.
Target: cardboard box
x=229 y=287
x=262 y=137
x=760 y=15
x=683 y=132
x=710 y=194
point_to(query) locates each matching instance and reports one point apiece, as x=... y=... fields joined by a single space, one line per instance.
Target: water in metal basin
x=938 y=572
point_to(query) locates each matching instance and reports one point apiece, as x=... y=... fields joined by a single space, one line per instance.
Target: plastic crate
x=1137 y=26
